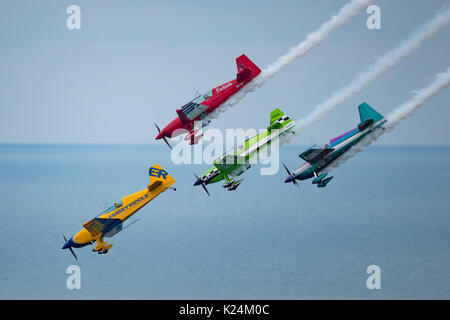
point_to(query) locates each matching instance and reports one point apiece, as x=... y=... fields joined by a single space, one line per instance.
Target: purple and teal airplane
x=317 y=160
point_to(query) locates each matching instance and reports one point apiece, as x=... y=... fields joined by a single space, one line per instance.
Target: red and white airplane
x=201 y=106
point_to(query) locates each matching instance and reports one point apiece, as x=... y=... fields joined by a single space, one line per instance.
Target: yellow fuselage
x=110 y=221
x=129 y=206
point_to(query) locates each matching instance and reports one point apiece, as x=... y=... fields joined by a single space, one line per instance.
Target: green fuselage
x=234 y=163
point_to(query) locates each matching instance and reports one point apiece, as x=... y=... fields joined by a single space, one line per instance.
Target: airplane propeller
x=165 y=140
x=200 y=181
x=73 y=253
x=294 y=181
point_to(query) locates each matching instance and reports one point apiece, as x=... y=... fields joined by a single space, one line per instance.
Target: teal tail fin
x=366 y=112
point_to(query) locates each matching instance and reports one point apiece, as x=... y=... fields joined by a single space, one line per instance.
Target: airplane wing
x=315 y=155
x=182 y=116
x=98 y=226
x=228 y=161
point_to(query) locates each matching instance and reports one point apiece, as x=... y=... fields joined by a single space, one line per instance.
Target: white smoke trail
x=383 y=64
x=345 y=14
x=314 y=39
x=407 y=109
x=441 y=82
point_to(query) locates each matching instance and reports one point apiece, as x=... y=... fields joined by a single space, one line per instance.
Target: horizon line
x=107 y=144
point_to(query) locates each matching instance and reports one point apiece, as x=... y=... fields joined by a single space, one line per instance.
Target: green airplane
x=235 y=162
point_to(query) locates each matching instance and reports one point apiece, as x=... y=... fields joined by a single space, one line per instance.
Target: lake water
x=388 y=206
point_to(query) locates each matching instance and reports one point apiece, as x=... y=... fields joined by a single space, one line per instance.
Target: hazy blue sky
x=135 y=62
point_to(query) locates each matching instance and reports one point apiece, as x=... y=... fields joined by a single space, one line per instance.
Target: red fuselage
x=203 y=105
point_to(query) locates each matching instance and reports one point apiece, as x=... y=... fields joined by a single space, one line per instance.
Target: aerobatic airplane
x=235 y=162
x=201 y=106
x=318 y=159
x=109 y=222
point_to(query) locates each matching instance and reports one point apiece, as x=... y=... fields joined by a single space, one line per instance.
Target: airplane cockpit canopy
x=202 y=97
x=116 y=205
x=195 y=108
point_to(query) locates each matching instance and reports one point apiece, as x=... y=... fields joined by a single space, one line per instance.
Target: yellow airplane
x=109 y=222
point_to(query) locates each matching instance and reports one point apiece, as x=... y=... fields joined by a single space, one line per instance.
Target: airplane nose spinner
x=198 y=182
x=289 y=179
x=68 y=244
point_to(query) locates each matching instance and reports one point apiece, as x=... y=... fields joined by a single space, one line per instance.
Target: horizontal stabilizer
x=366 y=123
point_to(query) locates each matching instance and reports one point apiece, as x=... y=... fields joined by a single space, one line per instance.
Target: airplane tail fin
x=366 y=112
x=159 y=177
x=275 y=115
x=278 y=119
x=246 y=68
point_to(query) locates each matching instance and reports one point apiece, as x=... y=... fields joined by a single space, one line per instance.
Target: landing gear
x=321 y=181
x=101 y=247
x=193 y=139
x=232 y=185
x=228 y=183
